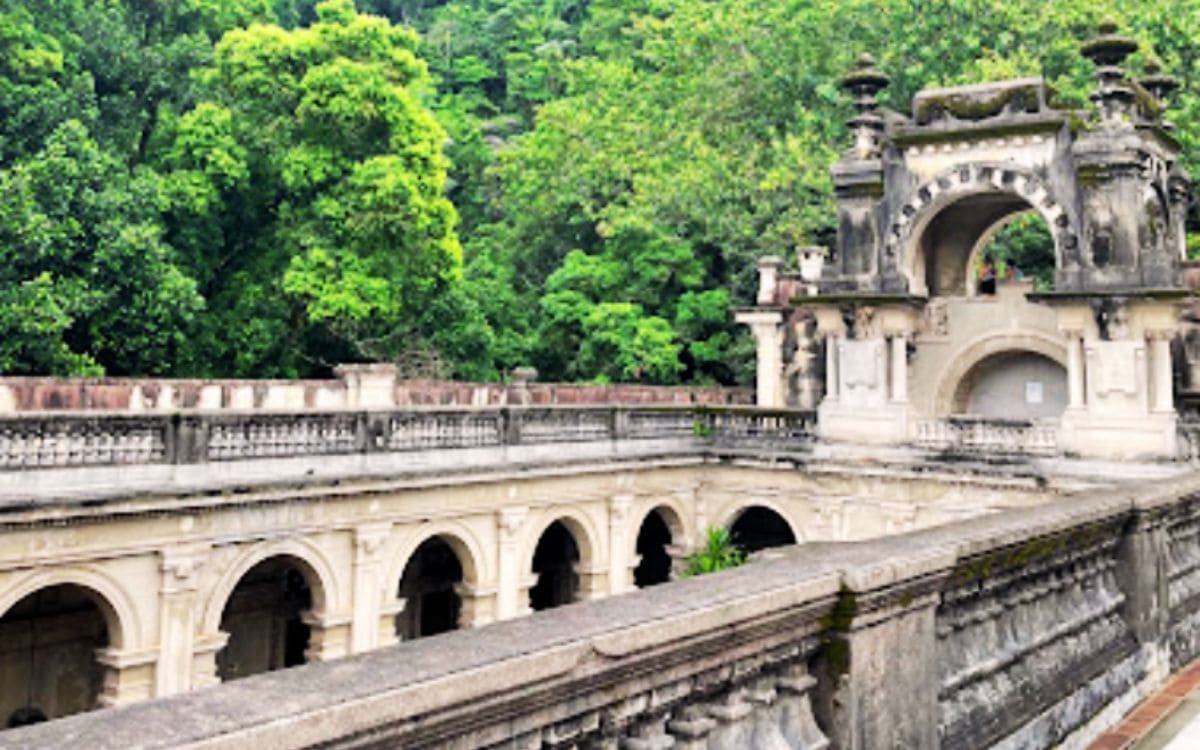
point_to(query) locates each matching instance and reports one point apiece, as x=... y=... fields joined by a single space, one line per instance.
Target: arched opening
x=48 y=644
x=428 y=587
x=949 y=238
x=1017 y=384
x=653 y=540
x=757 y=528
x=555 y=563
x=1020 y=247
x=264 y=618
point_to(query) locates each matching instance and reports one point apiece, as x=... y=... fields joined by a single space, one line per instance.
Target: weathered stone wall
x=1029 y=629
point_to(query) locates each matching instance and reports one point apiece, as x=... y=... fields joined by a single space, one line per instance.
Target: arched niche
x=953 y=393
x=758 y=527
x=658 y=536
x=1013 y=384
x=49 y=641
x=562 y=549
x=431 y=586
x=266 y=617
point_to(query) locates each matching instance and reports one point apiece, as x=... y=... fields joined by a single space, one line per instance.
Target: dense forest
x=268 y=187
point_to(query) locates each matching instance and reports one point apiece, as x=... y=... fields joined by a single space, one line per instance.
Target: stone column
x=768 y=278
x=1075 y=368
x=766 y=327
x=832 y=371
x=512 y=580
x=369 y=587
x=177 y=617
x=620 y=564
x=899 y=369
x=1160 y=366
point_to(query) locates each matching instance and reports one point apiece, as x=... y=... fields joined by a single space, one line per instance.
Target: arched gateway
x=905 y=301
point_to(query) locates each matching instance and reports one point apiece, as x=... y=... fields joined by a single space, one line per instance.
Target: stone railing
x=979 y=435
x=73 y=439
x=1030 y=629
x=357 y=386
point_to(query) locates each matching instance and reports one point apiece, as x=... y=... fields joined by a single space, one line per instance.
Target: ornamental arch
x=950 y=219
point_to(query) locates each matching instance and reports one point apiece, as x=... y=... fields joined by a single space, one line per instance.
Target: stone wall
x=1026 y=629
x=34 y=394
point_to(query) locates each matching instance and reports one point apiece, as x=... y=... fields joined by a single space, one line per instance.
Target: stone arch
x=580 y=526
x=734 y=514
x=981 y=244
x=312 y=563
x=969 y=356
x=657 y=541
x=109 y=596
x=671 y=513
x=460 y=539
x=964 y=182
x=561 y=580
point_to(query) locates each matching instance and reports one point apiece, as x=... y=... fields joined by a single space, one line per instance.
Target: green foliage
x=1025 y=244
x=718 y=553
x=266 y=187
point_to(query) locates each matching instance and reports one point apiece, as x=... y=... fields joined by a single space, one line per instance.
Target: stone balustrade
x=1033 y=628
x=68 y=439
x=984 y=436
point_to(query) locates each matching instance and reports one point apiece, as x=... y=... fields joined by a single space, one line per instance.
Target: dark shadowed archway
x=757 y=527
x=654 y=540
x=264 y=618
x=555 y=563
x=48 y=645
x=431 y=602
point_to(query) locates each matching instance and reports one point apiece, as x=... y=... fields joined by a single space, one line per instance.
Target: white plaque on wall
x=1033 y=391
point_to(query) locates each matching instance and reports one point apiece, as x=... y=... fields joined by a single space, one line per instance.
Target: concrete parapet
x=1028 y=629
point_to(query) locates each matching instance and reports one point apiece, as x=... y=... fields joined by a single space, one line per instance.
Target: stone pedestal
x=368 y=386
x=128 y=676
x=866 y=369
x=1119 y=375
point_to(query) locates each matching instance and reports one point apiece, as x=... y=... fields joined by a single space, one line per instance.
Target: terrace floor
x=1167 y=720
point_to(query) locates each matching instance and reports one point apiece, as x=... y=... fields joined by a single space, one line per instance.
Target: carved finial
x=1108 y=50
x=863 y=82
x=1160 y=86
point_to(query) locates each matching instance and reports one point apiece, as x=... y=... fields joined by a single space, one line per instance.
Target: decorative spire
x=1108 y=50
x=1159 y=85
x=863 y=82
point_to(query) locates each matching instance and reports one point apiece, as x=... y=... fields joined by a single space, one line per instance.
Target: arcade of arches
x=232 y=590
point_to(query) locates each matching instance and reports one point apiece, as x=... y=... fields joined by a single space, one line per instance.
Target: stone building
x=906 y=338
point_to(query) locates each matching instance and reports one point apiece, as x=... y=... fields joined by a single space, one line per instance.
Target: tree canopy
x=268 y=187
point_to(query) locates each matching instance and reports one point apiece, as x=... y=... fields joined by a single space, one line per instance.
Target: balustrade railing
x=72 y=439
x=980 y=435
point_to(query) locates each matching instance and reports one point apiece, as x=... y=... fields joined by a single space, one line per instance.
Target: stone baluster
x=649 y=734
x=620 y=565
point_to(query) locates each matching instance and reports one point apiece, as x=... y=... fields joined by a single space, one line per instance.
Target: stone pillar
x=204 y=665
x=593 y=581
x=1075 y=390
x=879 y=660
x=177 y=607
x=388 y=613
x=369 y=587
x=620 y=564
x=899 y=369
x=766 y=325
x=768 y=278
x=512 y=582
x=478 y=605
x=832 y=372
x=329 y=636
x=128 y=676
x=368 y=386
x=1160 y=366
